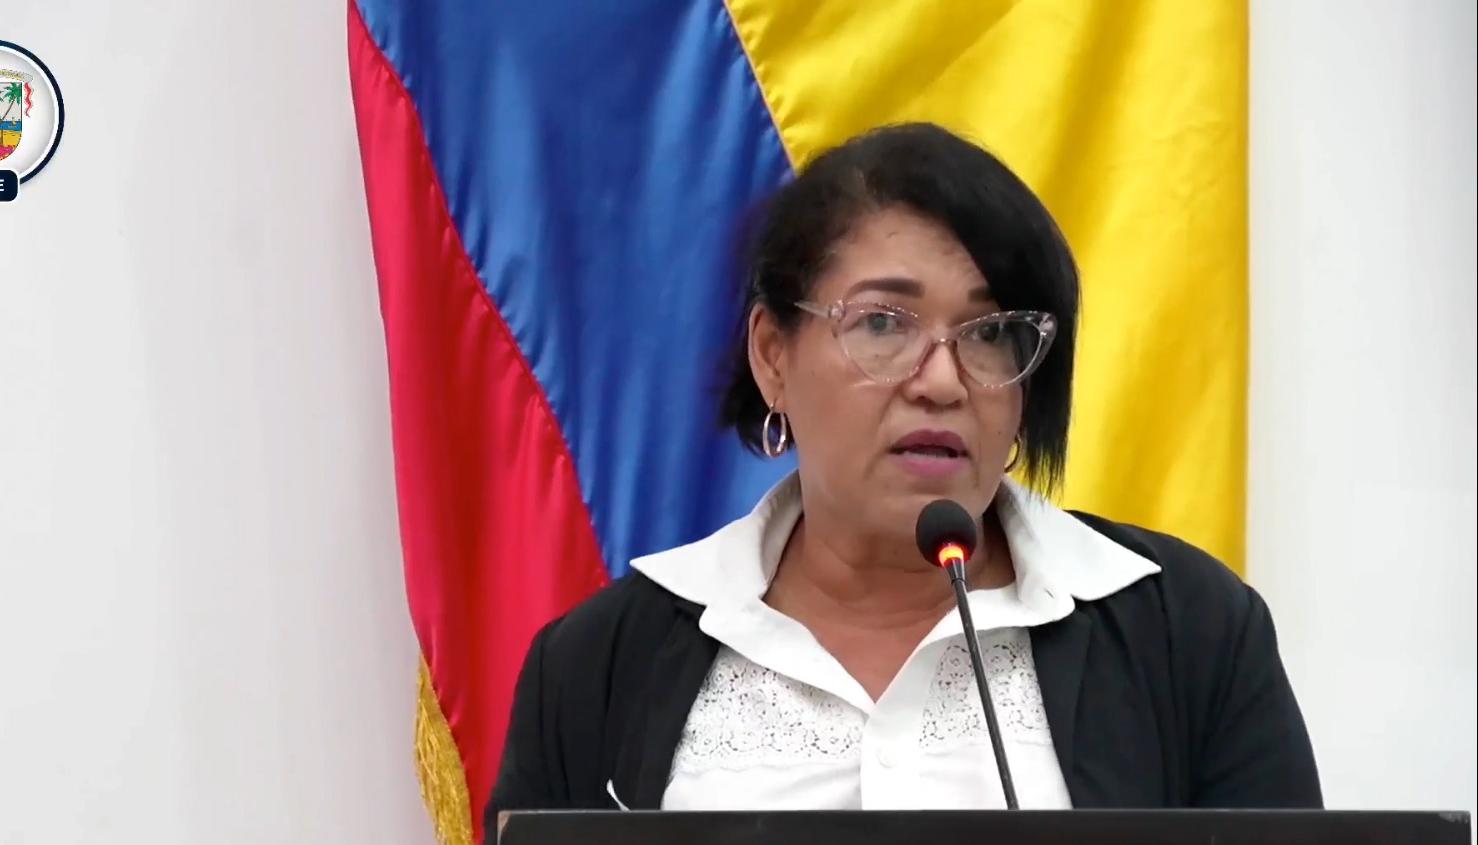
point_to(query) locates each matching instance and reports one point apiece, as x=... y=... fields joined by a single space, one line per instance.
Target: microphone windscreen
x=941 y=523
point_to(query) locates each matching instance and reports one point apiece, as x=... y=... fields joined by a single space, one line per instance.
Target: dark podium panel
x=1027 y=827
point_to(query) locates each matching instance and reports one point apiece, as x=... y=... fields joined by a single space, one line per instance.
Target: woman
x=909 y=331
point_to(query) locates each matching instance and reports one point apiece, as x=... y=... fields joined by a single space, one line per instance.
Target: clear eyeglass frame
x=1038 y=328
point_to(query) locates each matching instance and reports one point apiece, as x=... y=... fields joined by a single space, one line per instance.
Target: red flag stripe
x=473 y=433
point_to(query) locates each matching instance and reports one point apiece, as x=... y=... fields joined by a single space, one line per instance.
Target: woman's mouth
x=931 y=453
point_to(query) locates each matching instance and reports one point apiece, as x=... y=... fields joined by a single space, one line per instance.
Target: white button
x=884 y=758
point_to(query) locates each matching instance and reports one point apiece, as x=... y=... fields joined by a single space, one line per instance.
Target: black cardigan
x=1168 y=693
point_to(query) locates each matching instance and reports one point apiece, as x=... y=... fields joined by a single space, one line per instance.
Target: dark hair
x=995 y=216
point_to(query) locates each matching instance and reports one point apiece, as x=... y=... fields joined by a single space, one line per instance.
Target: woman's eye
x=880 y=322
x=986 y=333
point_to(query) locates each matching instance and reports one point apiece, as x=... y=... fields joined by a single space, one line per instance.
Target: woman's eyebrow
x=898 y=285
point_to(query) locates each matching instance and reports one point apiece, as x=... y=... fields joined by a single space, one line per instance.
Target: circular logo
x=31 y=111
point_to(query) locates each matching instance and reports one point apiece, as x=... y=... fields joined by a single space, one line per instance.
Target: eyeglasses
x=889 y=344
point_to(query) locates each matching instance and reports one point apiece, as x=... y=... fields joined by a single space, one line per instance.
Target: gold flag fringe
x=439 y=768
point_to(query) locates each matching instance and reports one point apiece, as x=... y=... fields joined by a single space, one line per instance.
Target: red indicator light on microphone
x=951 y=553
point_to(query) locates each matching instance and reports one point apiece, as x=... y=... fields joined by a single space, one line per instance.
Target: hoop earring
x=782 y=439
x=1015 y=455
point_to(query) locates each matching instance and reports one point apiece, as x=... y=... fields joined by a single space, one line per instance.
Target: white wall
x=1363 y=385
x=203 y=630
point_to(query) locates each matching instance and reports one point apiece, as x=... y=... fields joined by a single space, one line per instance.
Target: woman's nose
x=938 y=380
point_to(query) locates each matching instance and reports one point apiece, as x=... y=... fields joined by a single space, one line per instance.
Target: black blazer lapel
x=1060 y=651
x=659 y=711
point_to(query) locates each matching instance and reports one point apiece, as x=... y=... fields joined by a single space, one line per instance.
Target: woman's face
x=853 y=435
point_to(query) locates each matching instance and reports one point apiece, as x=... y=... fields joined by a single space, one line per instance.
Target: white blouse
x=780 y=724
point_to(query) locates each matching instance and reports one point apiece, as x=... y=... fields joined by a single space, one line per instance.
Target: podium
x=991 y=827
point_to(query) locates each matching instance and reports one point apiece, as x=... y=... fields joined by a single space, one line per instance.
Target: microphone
x=945 y=534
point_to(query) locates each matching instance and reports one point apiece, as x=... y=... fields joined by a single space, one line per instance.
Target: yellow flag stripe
x=1129 y=119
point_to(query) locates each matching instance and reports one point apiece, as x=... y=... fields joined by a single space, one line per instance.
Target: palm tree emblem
x=11 y=94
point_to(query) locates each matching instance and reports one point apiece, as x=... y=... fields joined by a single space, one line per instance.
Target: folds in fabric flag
x=553 y=192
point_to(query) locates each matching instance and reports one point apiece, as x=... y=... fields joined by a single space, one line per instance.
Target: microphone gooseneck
x=946 y=537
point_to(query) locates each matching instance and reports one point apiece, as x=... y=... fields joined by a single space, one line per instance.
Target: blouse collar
x=1057 y=557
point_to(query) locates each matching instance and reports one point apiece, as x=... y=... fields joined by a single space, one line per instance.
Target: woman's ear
x=767 y=355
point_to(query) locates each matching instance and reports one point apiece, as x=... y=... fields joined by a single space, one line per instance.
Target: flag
x=553 y=191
